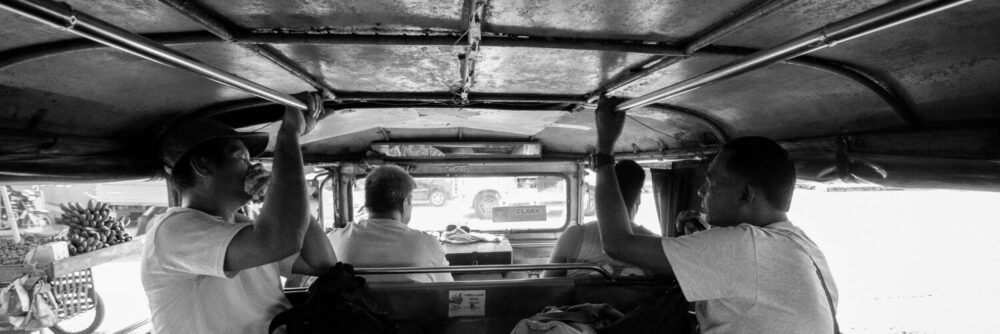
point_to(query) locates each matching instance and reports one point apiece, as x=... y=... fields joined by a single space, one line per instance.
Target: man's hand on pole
x=609 y=124
x=294 y=120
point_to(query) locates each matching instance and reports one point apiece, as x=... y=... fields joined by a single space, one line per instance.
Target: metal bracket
x=467 y=60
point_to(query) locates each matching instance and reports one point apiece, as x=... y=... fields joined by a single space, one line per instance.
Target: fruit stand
x=61 y=258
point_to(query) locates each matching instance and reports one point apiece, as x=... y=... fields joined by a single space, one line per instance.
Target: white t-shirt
x=374 y=243
x=592 y=251
x=182 y=273
x=748 y=279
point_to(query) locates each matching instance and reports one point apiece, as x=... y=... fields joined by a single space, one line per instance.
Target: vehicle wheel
x=83 y=323
x=437 y=197
x=484 y=205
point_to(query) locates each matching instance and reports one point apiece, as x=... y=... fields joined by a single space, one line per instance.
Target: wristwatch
x=601 y=160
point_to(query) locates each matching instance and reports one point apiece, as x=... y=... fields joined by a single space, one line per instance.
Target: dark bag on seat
x=338 y=302
x=665 y=311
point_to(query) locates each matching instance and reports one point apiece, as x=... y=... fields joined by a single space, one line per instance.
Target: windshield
x=490 y=203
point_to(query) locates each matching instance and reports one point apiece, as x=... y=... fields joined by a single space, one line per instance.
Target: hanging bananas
x=92 y=226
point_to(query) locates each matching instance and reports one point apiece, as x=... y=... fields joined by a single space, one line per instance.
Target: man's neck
x=393 y=215
x=767 y=218
x=208 y=204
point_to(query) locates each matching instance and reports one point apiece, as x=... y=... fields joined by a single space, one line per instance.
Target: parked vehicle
x=437 y=192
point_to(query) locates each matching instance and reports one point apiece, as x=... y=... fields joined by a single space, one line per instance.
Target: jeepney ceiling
x=944 y=63
x=387 y=15
x=752 y=105
x=942 y=68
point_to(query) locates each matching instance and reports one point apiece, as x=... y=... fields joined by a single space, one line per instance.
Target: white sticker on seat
x=466 y=303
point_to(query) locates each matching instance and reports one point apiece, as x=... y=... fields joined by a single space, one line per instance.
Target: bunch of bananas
x=92 y=227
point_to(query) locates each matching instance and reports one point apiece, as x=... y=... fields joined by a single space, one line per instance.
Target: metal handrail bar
x=228 y=31
x=882 y=17
x=483 y=268
x=64 y=17
x=760 y=10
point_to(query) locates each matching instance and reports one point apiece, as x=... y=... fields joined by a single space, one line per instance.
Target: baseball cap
x=184 y=136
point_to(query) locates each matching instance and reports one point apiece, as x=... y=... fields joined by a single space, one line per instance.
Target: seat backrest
x=494 y=306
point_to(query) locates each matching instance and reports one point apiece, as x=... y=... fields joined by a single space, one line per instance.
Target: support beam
x=513 y=102
x=228 y=31
x=756 y=11
x=881 y=87
x=64 y=17
x=882 y=17
x=474 y=34
x=488 y=40
x=697 y=116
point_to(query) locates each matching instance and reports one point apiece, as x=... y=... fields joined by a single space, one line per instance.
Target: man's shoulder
x=726 y=231
x=191 y=224
x=592 y=225
x=421 y=239
x=187 y=214
x=183 y=218
x=780 y=231
x=341 y=230
x=422 y=236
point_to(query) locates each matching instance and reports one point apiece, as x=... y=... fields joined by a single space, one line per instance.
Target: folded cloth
x=460 y=236
x=29 y=304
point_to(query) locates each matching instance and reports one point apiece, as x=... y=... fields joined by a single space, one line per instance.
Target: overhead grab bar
x=64 y=17
x=882 y=17
x=483 y=268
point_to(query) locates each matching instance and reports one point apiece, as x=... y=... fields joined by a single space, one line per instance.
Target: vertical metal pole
x=11 y=216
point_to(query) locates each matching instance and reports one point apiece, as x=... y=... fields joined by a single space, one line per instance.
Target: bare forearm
x=556 y=257
x=284 y=217
x=316 y=249
x=611 y=212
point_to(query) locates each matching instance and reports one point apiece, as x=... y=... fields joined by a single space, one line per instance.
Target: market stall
x=45 y=273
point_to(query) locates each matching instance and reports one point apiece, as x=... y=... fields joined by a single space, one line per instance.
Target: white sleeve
x=438 y=259
x=715 y=263
x=195 y=243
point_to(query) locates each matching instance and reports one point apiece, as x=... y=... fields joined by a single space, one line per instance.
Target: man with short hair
x=753 y=271
x=384 y=239
x=582 y=243
x=207 y=269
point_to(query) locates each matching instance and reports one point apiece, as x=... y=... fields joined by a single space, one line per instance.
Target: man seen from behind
x=582 y=243
x=384 y=239
x=753 y=271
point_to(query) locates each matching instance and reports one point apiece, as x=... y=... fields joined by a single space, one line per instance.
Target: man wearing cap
x=207 y=269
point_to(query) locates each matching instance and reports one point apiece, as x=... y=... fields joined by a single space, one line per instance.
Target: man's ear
x=748 y=193
x=200 y=166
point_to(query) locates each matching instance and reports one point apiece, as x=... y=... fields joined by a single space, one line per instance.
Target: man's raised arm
x=284 y=218
x=616 y=231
